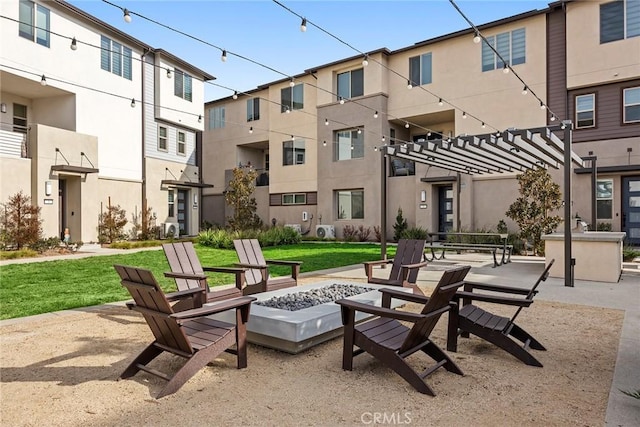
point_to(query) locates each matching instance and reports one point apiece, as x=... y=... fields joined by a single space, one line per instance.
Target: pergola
x=514 y=150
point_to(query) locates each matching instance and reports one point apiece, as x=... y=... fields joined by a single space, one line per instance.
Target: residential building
x=315 y=143
x=89 y=119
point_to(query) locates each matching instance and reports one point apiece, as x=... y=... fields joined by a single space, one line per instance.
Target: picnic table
x=441 y=242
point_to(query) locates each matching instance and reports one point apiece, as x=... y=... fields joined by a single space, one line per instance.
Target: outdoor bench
x=436 y=249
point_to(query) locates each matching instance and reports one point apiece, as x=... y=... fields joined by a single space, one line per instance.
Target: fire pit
x=296 y=331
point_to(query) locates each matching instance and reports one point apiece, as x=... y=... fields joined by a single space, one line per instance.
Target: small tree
x=400 y=227
x=21 y=223
x=239 y=197
x=143 y=225
x=111 y=224
x=539 y=196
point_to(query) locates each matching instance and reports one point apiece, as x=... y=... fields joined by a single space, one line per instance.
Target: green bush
x=20 y=253
x=219 y=238
x=604 y=226
x=629 y=253
x=274 y=236
x=43 y=245
x=400 y=226
x=415 y=233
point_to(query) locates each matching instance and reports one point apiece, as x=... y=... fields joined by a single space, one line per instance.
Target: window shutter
x=275 y=199
x=611 y=21
x=117 y=58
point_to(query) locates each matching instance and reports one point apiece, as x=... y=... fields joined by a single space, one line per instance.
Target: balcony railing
x=13 y=140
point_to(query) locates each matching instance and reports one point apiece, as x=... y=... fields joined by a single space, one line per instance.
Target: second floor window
x=585 y=111
x=162 y=138
x=420 y=69
x=182 y=85
x=619 y=20
x=182 y=143
x=631 y=105
x=34 y=22
x=292 y=98
x=349 y=145
x=253 y=109
x=115 y=58
x=216 y=118
x=293 y=152
x=510 y=45
x=351 y=84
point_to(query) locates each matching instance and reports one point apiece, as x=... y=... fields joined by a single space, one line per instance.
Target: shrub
x=400 y=226
x=349 y=233
x=274 y=236
x=416 y=233
x=378 y=233
x=629 y=253
x=111 y=224
x=143 y=225
x=239 y=197
x=43 y=245
x=220 y=239
x=604 y=226
x=21 y=223
x=279 y=235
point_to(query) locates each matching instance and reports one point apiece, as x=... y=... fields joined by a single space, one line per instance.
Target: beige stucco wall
x=10 y=184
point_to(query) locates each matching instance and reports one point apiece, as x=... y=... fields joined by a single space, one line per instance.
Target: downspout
x=145 y=226
x=383 y=204
x=568 y=260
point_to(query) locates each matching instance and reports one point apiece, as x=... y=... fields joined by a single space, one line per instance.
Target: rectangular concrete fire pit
x=296 y=331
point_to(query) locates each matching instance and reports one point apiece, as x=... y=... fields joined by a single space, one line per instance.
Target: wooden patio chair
x=257 y=277
x=498 y=330
x=188 y=273
x=189 y=334
x=390 y=341
x=405 y=265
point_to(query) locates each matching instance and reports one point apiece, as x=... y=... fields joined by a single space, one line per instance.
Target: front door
x=631 y=209
x=445 y=209
x=183 y=202
x=62 y=207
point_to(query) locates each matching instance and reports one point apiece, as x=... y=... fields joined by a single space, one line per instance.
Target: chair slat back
x=182 y=258
x=446 y=288
x=532 y=292
x=249 y=252
x=409 y=251
x=148 y=296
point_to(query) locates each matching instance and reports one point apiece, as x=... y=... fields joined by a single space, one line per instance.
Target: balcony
x=13 y=141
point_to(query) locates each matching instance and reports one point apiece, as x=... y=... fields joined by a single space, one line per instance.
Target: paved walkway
x=522 y=271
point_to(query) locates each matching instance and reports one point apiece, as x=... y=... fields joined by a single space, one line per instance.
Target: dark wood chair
x=390 y=341
x=257 y=277
x=189 y=334
x=188 y=273
x=405 y=265
x=498 y=330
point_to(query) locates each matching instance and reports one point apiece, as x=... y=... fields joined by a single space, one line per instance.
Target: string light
x=553 y=117
x=74 y=44
x=223 y=57
x=542 y=107
x=525 y=90
x=168 y=73
x=464 y=114
x=505 y=69
x=326 y=122
x=235 y=94
x=477 y=38
x=375 y=115
x=483 y=125
x=133 y=103
x=292 y=83
x=440 y=103
x=341 y=101
x=251 y=129
x=303 y=25
x=43 y=80
x=200 y=118
x=324 y=143
x=359 y=131
x=409 y=85
x=127 y=16
x=406 y=124
x=383 y=138
x=365 y=61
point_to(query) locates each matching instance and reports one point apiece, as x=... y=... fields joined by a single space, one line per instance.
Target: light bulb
x=375 y=148
x=326 y=122
x=168 y=73
x=303 y=25
x=352 y=147
x=251 y=129
x=292 y=83
x=359 y=131
x=74 y=44
x=133 y=103
x=406 y=125
x=505 y=69
x=341 y=101
x=287 y=110
x=365 y=61
x=477 y=38
x=235 y=94
x=324 y=143
x=409 y=85
x=429 y=133
x=483 y=125
x=440 y=103
x=127 y=16
x=383 y=138
x=525 y=90
x=542 y=107
x=200 y=118
x=464 y=115
x=553 y=117
x=375 y=115
x=223 y=58
x=43 y=80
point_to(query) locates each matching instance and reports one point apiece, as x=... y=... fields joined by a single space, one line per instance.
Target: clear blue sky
x=268 y=34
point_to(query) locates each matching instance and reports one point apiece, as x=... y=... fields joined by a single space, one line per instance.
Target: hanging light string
x=440 y=98
x=507 y=65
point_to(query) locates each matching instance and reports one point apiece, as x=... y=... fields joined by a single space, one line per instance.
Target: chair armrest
x=173 y=296
x=496 y=299
x=377 y=262
x=405 y=296
x=194 y=276
x=469 y=286
x=230 y=270
x=379 y=311
x=279 y=262
x=240 y=264
x=214 y=308
x=412 y=266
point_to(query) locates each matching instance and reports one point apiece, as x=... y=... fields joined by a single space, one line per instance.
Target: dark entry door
x=631 y=209
x=182 y=211
x=62 y=207
x=445 y=208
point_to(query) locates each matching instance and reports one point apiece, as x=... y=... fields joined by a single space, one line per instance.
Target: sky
x=269 y=35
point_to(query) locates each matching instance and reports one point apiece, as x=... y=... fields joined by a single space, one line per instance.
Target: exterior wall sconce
x=47 y=188
x=3 y=107
x=423 y=196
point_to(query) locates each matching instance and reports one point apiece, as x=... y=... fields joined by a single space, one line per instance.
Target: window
x=115 y=58
x=182 y=85
x=182 y=143
x=294 y=199
x=253 y=109
x=349 y=145
x=293 y=152
x=162 y=138
x=585 y=111
x=216 y=118
x=34 y=22
x=292 y=98
x=631 y=113
x=170 y=203
x=510 y=45
x=619 y=20
x=604 y=199
x=20 y=118
x=351 y=84
x=420 y=69
x=350 y=204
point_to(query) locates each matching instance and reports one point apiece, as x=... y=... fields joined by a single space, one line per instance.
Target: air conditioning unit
x=325 y=231
x=171 y=230
x=296 y=227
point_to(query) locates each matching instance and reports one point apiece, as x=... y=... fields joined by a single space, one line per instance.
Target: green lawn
x=43 y=287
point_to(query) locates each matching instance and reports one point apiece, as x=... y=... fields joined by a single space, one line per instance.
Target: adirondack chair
x=390 y=341
x=189 y=274
x=257 y=275
x=407 y=262
x=189 y=334
x=498 y=330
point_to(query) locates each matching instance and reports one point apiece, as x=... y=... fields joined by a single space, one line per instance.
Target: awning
x=73 y=169
x=176 y=183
